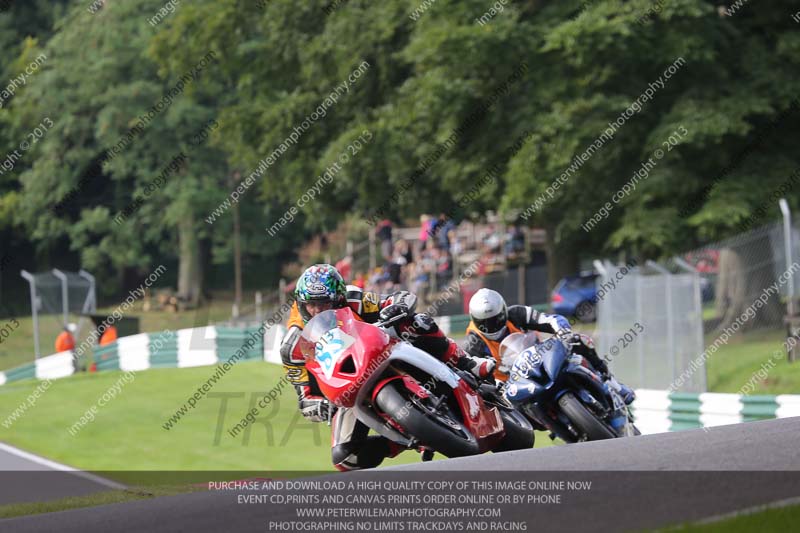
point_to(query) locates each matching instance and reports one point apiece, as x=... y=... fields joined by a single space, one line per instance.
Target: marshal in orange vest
x=65 y=342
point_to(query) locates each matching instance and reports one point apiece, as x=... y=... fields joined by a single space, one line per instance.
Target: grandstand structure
x=479 y=256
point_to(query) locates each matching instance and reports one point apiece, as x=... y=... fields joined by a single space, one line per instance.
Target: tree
x=110 y=147
x=445 y=100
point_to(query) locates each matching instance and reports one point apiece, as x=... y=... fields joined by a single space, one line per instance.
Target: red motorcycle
x=404 y=393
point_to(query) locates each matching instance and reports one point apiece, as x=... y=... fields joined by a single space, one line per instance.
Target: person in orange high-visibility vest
x=65 y=341
x=491 y=321
x=109 y=336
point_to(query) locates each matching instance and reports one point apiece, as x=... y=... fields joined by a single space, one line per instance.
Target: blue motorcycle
x=560 y=391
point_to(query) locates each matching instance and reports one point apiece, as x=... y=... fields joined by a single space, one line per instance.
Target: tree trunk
x=745 y=270
x=190 y=272
x=561 y=260
x=237 y=260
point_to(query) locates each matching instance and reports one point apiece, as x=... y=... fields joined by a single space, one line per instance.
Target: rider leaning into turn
x=491 y=321
x=320 y=288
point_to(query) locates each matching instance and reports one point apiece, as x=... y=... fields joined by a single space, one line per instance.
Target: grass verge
x=778 y=519
x=736 y=363
x=128 y=432
x=93 y=500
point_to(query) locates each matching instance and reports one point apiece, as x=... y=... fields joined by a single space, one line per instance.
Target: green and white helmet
x=320 y=283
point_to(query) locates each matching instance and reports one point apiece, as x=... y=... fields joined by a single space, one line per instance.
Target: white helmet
x=488 y=312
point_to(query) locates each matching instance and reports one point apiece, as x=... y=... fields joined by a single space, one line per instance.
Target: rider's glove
x=567 y=338
x=394 y=313
x=399 y=306
x=317 y=410
x=575 y=340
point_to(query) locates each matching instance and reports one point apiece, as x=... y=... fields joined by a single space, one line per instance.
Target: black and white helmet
x=488 y=311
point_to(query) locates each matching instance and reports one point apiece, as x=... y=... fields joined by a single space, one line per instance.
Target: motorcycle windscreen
x=314 y=330
x=339 y=349
x=512 y=346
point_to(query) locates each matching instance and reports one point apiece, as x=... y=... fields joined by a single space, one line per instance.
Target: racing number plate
x=330 y=348
x=526 y=362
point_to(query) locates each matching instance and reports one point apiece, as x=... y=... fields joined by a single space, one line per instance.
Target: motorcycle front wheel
x=583 y=419
x=434 y=428
x=519 y=432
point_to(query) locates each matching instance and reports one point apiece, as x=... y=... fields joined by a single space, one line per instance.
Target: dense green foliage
x=428 y=76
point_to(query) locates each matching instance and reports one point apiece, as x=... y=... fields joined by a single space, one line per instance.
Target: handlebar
x=391 y=321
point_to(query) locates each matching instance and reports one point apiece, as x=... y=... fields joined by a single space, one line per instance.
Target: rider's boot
x=623 y=390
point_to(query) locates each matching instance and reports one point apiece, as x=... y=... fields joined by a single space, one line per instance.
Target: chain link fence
x=66 y=297
x=736 y=271
x=685 y=305
x=650 y=323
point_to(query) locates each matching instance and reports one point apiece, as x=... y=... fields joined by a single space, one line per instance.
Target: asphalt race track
x=71 y=483
x=637 y=483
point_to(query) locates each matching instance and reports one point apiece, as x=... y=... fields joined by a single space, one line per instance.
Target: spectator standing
x=444 y=267
x=401 y=248
x=395 y=274
x=433 y=228
x=384 y=234
x=345 y=267
x=424 y=230
x=515 y=241
x=360 y=280
x=446 y=231
x=423 y=270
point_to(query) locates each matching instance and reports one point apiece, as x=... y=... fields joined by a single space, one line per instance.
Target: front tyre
x=437 y=429
x=584 y=421
x=519 y=432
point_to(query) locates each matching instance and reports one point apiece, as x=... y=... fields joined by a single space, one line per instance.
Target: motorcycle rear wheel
x=444 y=434
x=584 y=420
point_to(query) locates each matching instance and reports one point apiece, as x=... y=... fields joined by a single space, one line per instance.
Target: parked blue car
x=571 y=292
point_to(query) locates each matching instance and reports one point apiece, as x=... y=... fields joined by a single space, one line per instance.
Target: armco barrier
x=230 y=340
x=54 y=366
x=272 y=344
x=203 y=346
x=183 y=348
x=661 y=411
